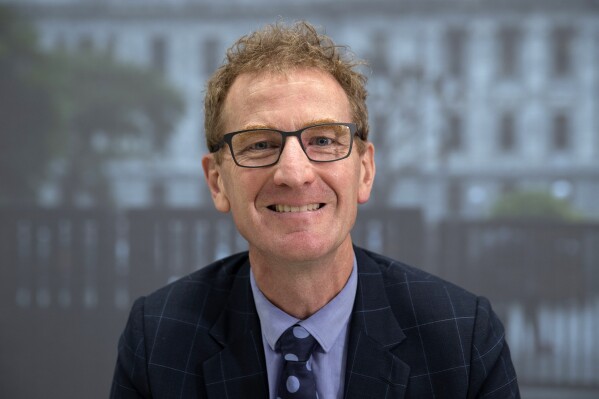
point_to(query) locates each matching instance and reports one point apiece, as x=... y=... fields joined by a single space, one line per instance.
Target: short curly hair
x=279 y=48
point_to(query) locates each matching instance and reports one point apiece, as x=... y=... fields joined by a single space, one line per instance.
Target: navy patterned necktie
x=297 y=379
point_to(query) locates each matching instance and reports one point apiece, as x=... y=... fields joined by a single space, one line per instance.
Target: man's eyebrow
x=321 y=121
x=310 y=123
x=251 y=127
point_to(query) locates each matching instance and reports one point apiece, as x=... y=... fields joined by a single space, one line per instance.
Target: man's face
x=323 y=197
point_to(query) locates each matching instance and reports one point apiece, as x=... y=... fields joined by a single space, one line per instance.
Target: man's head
x=291 y=184
x=279 y=49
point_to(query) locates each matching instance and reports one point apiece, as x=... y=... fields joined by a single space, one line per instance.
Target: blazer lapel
x=239 y=370
x=373 y=371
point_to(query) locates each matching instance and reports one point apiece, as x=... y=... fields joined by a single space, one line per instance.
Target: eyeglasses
x=258 y=148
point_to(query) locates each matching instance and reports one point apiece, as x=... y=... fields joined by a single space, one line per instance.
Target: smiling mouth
x=289 y=208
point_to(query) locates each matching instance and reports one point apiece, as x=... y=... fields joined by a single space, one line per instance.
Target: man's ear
x=212 y=173
x=367 y=172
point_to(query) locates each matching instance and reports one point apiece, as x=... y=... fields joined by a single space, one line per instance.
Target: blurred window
x=561 y=46
x=508 y=186
x=381 y=124
x=379 y=57
x=561 y=132
x=454 y=197
x=454 y=140
x=507 y=132
x=209 y=56
x=158 y=54
x=455 y=45
x=509 y=51
x=85 y=44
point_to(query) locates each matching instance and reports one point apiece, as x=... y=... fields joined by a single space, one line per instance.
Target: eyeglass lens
x=263 y=147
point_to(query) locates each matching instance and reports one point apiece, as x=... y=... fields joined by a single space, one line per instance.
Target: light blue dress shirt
x=329 y=326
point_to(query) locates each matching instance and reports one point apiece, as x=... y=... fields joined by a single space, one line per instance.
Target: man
x=303 y=313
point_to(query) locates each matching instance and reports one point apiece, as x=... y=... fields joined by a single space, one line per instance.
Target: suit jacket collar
x=372 y=369
x=239 y=370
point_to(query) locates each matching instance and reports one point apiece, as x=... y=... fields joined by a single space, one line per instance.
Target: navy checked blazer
x=412 y=335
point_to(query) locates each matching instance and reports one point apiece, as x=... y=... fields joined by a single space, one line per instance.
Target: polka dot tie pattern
x=297 y=379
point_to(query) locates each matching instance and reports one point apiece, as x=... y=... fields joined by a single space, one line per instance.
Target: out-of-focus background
x=485 y=115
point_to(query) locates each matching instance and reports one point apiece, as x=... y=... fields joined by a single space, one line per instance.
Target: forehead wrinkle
x=265 y=80
x=261 y=85
x=304 y=125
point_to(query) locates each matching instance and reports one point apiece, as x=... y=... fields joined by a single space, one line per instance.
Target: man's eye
x=321 y=141
x=261 y=145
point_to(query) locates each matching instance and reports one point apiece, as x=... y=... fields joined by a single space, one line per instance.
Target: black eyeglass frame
x=228 y=139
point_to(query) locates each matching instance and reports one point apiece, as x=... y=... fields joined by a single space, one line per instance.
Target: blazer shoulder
x=206 y=289
x=395 y=272
x=411 y=290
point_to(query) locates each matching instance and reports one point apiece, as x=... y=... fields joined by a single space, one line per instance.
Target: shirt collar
x=324 y=325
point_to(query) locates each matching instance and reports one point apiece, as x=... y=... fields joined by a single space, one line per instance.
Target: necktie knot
x=296 y=344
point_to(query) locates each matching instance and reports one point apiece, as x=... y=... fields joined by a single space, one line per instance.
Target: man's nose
x=294 y=168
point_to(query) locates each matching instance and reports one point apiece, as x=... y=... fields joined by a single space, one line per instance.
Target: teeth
x=303 y=208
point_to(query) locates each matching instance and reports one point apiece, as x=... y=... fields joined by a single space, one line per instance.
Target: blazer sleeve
x=492 y=373
x=130 y=376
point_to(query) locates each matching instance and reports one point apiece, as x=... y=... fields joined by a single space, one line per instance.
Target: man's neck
x=300 y=289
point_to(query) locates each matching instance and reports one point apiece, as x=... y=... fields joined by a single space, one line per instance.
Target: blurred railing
x=543 y=280
x=59 y=259
x=69 y=277
x=93 y=259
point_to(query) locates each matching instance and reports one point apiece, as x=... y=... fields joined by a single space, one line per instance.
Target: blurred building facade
x=469 y=100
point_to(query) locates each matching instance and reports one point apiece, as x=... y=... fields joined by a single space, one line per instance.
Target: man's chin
x=297 y=248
